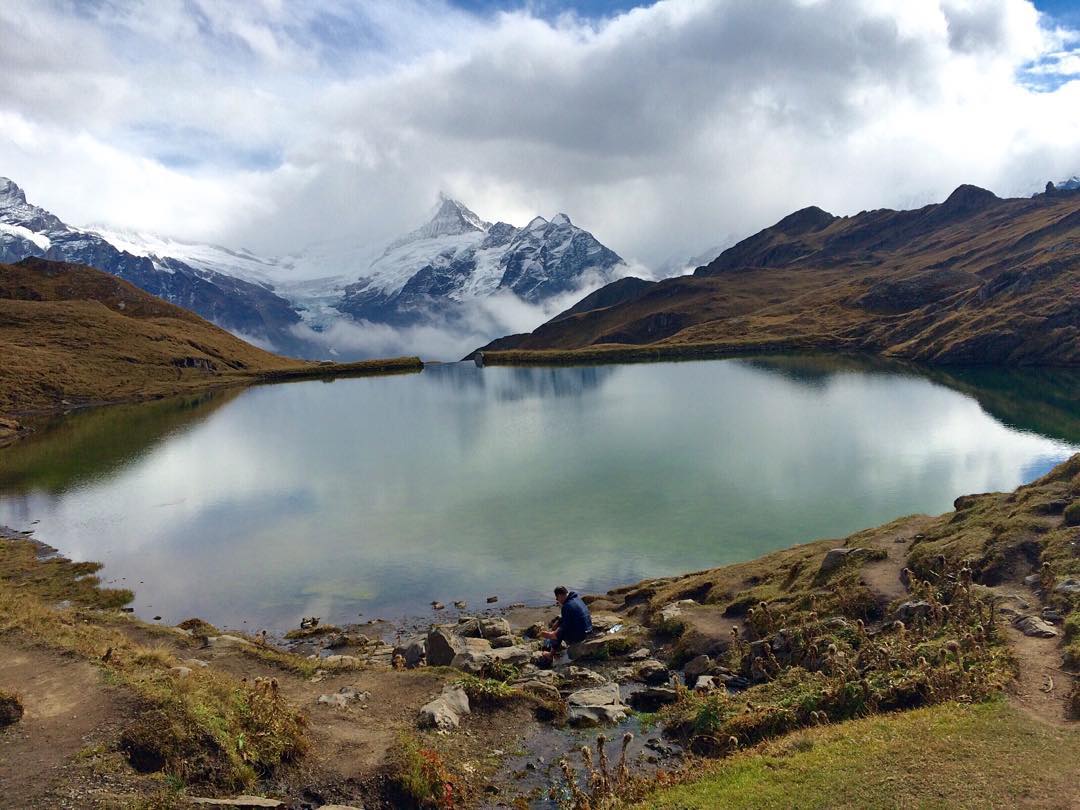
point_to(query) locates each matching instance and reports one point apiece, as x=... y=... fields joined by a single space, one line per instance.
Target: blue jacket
x=576 y=623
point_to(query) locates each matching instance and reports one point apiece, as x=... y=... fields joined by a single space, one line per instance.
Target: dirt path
x=883 y=576
x=68 y=708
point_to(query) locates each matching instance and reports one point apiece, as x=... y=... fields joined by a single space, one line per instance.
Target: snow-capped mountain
x=239 y=302
x=458 y=257
x=1072 y=184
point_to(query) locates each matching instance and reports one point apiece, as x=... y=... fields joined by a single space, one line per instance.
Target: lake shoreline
x=680 y=626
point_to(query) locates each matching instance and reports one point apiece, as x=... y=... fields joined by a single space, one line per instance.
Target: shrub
x=1072 y=514
x=487 y=691
x=11 y=709
x=421 y=774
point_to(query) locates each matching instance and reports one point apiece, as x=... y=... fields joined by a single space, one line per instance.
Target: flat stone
x=652 y=672
x=596 y=647
x=1034 y=626
x=501 y=641
x=445 y=711
x=606 y=695
x=1031 y=580
x=342 y=660
x=343 y=697
x=580 y=676
x=180 y=672
x=194 y=662
x=639 y=655
x=596 y=706
x=652 y=698
x=546 y=691
x=473 y=660
x=239 y=801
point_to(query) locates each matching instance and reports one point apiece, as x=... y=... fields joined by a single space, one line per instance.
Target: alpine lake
x=371 y=497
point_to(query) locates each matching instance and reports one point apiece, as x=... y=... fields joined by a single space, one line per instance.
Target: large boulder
x=441 y=646
x=600 y=647
x=696 y=667
x=445 y=711
x=596 y=705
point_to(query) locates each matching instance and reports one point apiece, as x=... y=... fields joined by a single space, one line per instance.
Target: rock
x=705 y=683
x=600 y=647
x=438 y=606
x=194 y=662
x=653 y=672
x=239 y=801
x=909 y=611
x=1032 y=580
x=1069 y=587
x=702 y=665
x=180 y=672
x=545 y=691
x=342 y=660
x=494 y=627
x=412 y=651
x=502 y=641
x=580 y=676
x=341 y=807
x=595 y=705
x=623 y=674
x=11 y=710
x=467 y=627
x=1051 y=615
x=652 y=698
x=441 y=647
x=461 y=604
x=491 y=600
x=473 y=660
x=836 y=557
x=343 y=697
x=602 y=622
x=445 y=711
x=1034 y=626
x=639 y=655
x=477 y=644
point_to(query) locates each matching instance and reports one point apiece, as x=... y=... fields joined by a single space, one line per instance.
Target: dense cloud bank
x=663 y=130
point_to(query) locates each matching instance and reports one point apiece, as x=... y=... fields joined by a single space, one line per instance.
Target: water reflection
x=377 y=495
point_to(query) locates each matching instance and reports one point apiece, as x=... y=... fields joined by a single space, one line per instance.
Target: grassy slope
x=952 y=755
x=73 y=336
x=991 y=285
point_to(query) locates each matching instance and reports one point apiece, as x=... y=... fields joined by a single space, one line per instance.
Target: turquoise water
x=375 y=496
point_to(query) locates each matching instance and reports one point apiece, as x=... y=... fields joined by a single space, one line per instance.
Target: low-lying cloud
x=448 y=335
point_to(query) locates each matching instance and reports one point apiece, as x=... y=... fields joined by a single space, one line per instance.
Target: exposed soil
x=68 y=708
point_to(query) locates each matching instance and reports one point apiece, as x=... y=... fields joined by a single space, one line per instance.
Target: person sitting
x=573 y=625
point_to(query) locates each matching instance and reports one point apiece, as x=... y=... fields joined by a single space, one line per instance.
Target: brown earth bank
x=804 y=662
x=72 y=336
x=975 y=279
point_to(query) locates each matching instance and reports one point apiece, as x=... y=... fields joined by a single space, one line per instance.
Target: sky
x=664 y=128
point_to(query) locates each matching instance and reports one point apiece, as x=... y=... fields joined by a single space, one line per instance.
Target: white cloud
x=662 y=130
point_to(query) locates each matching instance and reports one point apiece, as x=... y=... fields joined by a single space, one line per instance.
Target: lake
x=371 y=497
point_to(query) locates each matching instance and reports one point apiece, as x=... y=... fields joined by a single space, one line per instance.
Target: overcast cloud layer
x=663 y=130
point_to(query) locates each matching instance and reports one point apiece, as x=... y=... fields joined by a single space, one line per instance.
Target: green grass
x=952 y=755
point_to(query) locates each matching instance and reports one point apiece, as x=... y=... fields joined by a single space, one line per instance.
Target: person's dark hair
x=561 y=591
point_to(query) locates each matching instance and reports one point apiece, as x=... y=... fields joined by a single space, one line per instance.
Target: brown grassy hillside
x=975 y=279
x=73 y=336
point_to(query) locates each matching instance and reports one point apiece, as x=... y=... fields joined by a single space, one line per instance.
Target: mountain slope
x=239 y=305
x=458 y=258
x=975 y=279
x=72 y=335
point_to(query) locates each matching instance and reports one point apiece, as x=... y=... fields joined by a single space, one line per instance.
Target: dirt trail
x=68 y=708
x=883 y=576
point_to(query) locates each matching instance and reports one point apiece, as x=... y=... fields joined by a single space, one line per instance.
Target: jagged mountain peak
x=451 y=217
x=561 y=219
x=536 y=223
x=10 y=191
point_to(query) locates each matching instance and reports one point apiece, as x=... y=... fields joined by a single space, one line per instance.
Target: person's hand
x=548 y=634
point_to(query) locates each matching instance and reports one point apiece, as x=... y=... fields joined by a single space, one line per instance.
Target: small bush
x=1072 y=514
x=487 y=691
x=421 y=774
x=11 y=709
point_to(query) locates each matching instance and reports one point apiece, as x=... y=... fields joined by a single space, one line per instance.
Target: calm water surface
x=375 y=496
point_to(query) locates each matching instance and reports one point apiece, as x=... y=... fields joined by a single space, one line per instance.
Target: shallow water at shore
x=375 y=496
